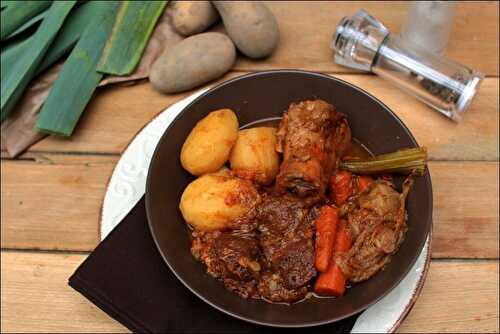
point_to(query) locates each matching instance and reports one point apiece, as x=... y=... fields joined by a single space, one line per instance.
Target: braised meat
x=377 y=224
x=312 y=136
x=272 y=288
x=276 y=261
x=232 y=257
x=286 y=240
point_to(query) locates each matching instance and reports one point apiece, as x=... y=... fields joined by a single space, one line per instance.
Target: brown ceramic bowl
x=258 y=96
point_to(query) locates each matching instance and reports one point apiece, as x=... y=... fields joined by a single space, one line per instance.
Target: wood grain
x=35 y=297
x=307 y=27
x=457 y=297
x=53 y=202
x=465 y=209
x=116 y=114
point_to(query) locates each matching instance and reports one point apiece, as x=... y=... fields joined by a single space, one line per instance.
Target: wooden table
x=52 y=194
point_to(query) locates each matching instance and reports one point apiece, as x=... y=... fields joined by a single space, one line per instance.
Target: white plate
x=127 y=186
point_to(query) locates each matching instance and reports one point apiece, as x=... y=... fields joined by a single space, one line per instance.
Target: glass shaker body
x=429 y=24
x=439 y=82
x=363 y=43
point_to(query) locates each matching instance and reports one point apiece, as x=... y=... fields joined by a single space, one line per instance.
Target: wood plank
x=465 y=209
x=36 y=297
x=31 y=281
x=53 y=202
x=39 y=211
x=307 y=28
x=116 y=114
x=458 y=297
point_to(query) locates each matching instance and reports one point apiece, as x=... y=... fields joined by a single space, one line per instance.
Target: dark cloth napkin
x=126 y=277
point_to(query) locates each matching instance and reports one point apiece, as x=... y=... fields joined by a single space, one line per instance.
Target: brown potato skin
x=208 y=145
x=192 y=17
x=251 y=25
x=192 y=62
x=216 y=201
x=254 y=156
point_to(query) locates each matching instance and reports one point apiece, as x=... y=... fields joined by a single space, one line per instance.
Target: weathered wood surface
x=459 y=296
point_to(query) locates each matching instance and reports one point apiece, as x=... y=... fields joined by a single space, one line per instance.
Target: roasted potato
x=254 y=156
x=215 y=201
x=209 y=144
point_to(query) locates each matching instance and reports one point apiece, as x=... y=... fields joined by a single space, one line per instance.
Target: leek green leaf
x=78 y=78
x=131 y=31
x=19 y=12
x=19 y=75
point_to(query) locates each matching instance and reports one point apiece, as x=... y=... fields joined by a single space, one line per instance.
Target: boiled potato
x=254 y=156
x=209 y=144
x=215 y=201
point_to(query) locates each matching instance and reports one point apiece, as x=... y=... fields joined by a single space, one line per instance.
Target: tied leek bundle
x=78 y=78
x=20 y=73
x=133 y=25
x=406 y=161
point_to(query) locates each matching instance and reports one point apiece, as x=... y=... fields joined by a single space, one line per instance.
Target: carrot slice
x=341 y=186
x=333 y=281
x=326 y=228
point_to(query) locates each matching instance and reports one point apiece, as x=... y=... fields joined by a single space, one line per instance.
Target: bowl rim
x=229 y=312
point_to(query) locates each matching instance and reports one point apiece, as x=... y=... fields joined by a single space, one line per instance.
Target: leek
x=19 y=12
x=28 y=24
x=406 y=161
x=67 y=37
x=22 y=70
x=133 y=25
x=78 y=78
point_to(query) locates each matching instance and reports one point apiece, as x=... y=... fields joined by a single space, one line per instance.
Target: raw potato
x=192 y=17
x=209 y=143
x=193 y=62
x=254 y=156
x=251 y=26
x=215 y=201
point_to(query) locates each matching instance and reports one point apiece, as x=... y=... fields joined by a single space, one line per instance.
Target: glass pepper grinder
x=364 y=43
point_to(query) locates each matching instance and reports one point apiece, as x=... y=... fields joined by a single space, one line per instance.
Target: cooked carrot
x=364 y=182
x=341 y=186
x=326 y=228
x=343 y=240
x=333 y=281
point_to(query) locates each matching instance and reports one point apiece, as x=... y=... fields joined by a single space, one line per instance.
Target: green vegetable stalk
x=19 y=74
x=133 y=25
x=78 y=78
x=17 y=13
x=406 y=161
